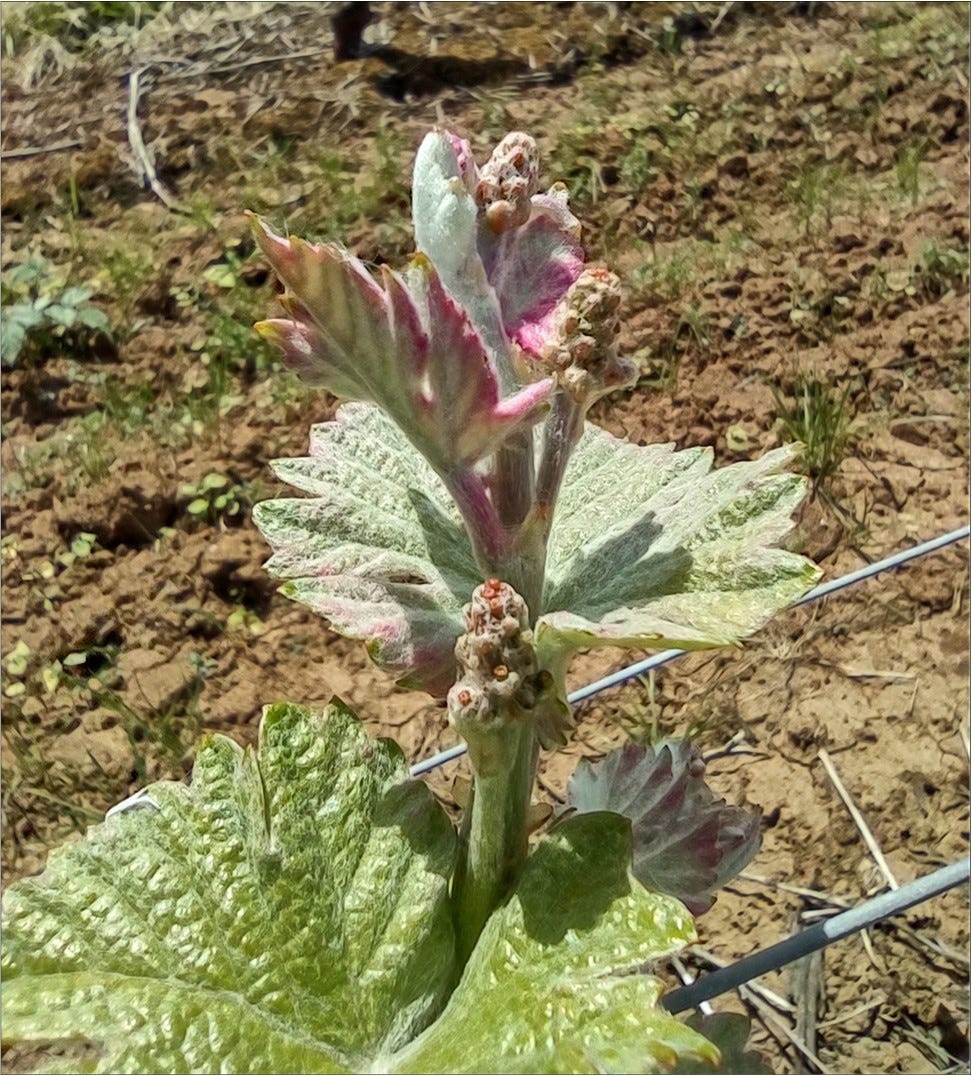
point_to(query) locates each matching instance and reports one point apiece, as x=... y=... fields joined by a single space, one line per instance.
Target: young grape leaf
x=403 y=343
x=381 y=551
x=686 y=842
x=288 y=912
x=445 y=219
x=689 y=559
x=532 y=267
x=379 y=548
x=509 y=282
x=554 y=984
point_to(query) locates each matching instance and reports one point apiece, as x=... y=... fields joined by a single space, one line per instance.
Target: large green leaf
x=288 y=912
x=553 y=985
x=653 y=548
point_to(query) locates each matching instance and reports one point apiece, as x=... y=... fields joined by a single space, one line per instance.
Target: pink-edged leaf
x=448 y=223
x=378 y=547
x=469 y=416
x=468 y=170
x=532 y=267
x=404 y=343
x=508 y=281
x=408 y=628
x=687 y=843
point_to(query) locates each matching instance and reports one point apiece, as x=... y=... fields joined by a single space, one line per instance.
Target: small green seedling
x=216 y=497
x=81 y=546
x=40 y=309
x=245 y=621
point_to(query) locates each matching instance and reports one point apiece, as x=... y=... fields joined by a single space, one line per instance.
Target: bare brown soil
x=748 y=170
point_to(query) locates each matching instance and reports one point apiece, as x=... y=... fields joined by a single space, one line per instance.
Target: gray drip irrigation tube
x=631 y=671
x=816 y=937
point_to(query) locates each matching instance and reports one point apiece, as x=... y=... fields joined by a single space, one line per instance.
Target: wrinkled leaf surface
x=689 y=560
x=652 y=548
x=378 y=548
x=288 y=912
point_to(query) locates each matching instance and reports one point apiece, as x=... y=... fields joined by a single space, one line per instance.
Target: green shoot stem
x=494 y=837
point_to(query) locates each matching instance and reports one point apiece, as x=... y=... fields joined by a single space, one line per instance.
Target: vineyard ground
x=784 y=191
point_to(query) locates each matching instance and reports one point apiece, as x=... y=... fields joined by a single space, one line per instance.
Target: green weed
x=667 y=277
x=169 y=737
x=694 y=326
x=332 y=191
x=81 y=452
x=814 y=191
x=89 y=449
x=214 y=499
x=599 y=95
x=202 y=211
x=818 y=416
x=47 y=792
x=640 y=713
x=244 y=621
x=640 y=717
x=495 y=119
x=936 y=33
x=908 y=170
x=126 y=272
x=229 y=355
x=876 y=289
x=941 y=269
x=155 y=737
x=669 y=38
x=685 y=266
x=42 y=311
x=576 y=161
x=637 y=168
x=70 y=24
x=130 y=407
x=819 y=316
x=658 y=370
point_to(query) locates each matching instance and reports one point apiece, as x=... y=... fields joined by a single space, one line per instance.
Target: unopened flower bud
x=494 y=655
x=582 y=348
x=499 y=681
x=467 y=704
x=508 y=181
x=493 y=604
